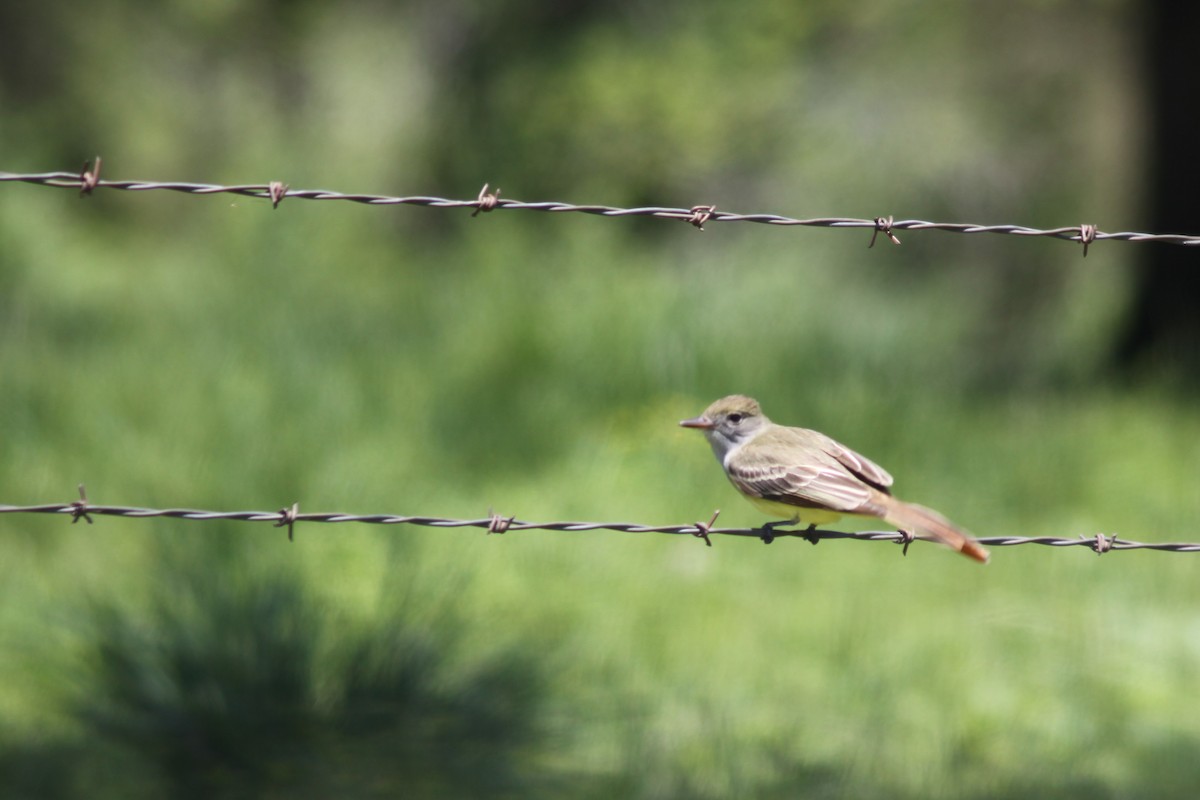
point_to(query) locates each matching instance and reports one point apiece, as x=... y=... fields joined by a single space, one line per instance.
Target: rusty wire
x=276 y=191
x=289 y=516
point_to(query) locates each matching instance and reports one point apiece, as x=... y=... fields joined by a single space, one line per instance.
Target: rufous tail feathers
x=912 y=517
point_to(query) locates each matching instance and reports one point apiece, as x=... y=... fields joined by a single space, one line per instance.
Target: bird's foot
x=767 y=531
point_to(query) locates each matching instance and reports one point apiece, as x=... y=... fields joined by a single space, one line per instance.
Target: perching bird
x=798 y=475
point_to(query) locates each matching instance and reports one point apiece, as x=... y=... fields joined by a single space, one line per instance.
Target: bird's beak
x=703 y=423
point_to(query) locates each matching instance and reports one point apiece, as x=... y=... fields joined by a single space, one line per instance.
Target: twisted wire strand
x=275 y=192
x=1098 y=543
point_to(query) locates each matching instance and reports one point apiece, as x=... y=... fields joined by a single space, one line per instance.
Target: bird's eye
x=735 y=418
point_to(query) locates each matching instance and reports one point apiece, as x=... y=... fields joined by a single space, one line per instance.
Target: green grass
x=539 y=367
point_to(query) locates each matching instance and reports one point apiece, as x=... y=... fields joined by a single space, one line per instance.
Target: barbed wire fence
x=89 y=180
x=276 y=192
x=497 y=524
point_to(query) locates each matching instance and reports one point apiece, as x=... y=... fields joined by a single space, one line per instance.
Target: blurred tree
x=1164 y=326
x=633 y=102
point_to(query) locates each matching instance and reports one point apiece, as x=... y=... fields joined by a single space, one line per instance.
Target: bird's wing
x=815 y=484
x=864 y=468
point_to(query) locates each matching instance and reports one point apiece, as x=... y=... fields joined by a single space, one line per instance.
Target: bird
x=799 y=475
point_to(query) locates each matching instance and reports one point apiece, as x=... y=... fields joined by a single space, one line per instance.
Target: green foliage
x=215 y=353
x=234 y=684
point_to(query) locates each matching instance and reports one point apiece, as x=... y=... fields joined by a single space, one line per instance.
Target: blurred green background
x=211 y=352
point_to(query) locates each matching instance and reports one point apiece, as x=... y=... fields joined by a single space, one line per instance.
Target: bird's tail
x=912 y=517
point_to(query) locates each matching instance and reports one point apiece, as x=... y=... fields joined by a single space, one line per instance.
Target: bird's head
x=729 y=423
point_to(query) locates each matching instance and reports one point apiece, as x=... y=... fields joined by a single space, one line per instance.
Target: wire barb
x=701 y=215
x=1100 y=543
x=498 y=523
x=884 y=225
x=287 y=516
x=89 y=178
x=277 y=190
x=704 y=528
x=486 y=200
x=79 y=508
x=1087 y=235
x=906 y=538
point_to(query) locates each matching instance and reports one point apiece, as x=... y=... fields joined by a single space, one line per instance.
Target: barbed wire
x=498 y=524
x=276 y=191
